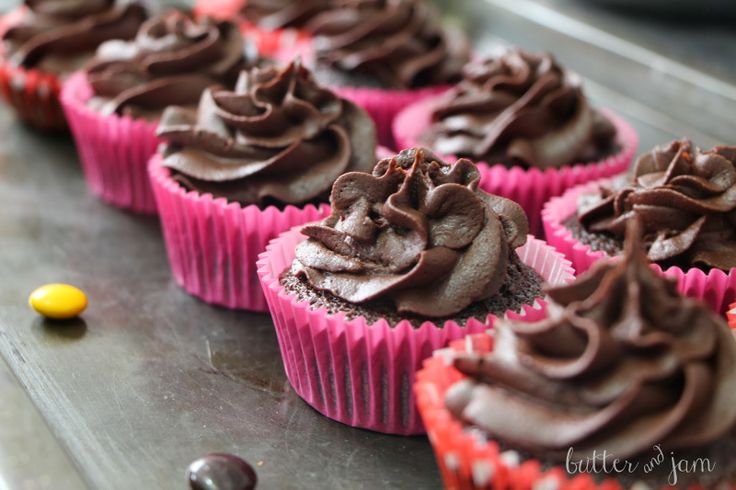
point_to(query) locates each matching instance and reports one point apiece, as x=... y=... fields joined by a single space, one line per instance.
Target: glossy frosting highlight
x=685 y=199
x=417 y=232
x=170 y=62
x=520 y=108
x=60 y=36
x=278 y=138
x=622 y=363
x=400 y=43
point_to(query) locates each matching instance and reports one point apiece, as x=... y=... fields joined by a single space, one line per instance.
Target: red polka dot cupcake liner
x=468 y=462
x=33 y=94
x=213 y=244
x=114 y=150
x=529 y=187
x=716 y=288
x=358 y=373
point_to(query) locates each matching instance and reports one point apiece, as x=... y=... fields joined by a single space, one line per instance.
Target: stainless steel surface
x=152 y=378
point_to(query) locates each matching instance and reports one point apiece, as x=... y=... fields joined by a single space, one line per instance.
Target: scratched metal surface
x=152 y=379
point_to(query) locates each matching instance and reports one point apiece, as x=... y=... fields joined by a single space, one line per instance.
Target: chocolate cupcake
x=250 y=163
x=685 y=199
x=277 y=139
x=520 y=109
x=415 y=240
x=386 y=54
x=412 y=256
x=113 y=105
x=48 y=40
x=623 y=368
x=170 y=62
x=386 y=44
x=528 y=122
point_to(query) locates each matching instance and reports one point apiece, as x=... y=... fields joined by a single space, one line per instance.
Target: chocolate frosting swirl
x=400 y=43
x=278 y=138
x=170 y=62
x=622 y=364
x=69 y=29
x=685 y=199
x=520 y=108
x=417 y=232
x=281 y=14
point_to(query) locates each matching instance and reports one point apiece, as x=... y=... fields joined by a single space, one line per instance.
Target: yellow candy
x=58 y=301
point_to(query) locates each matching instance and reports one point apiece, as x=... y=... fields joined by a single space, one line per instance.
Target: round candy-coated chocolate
x=58 y=301
x=219 y=471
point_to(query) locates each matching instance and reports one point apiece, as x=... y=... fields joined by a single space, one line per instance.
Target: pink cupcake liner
x=467 y=463
x=361 y=374
x=114 y=150
x=715 y=288
x=213 y=245
x=531 y=188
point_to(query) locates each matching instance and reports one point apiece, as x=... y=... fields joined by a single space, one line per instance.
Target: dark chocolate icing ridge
x=520 y=108
x=417 y=232
x=278 y=138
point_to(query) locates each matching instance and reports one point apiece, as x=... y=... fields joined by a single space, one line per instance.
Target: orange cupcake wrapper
x=732 y=316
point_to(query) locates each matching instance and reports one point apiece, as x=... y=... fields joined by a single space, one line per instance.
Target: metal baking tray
x=152 y=378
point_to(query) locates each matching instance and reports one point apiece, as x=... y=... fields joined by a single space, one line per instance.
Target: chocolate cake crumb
x=521 y=287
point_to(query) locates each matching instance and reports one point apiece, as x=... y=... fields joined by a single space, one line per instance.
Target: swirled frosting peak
x=59 y=36
x=280 y=14
x=622 y=364
x=170 y=62
x=519 y=108
x=399 y=43
x=685 y=199
x=277 y=138
x=417 y=232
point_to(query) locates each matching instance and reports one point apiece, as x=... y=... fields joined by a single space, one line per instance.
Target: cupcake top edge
x=685 y=199
x=520 y=108
x=623 y=364
x=417 y=232
x=59 y=37
x=276 y=138
x=171 y=60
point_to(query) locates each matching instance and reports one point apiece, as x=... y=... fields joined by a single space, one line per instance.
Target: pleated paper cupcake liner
x=114 y=150
x=362 y=374
x=531 y=188
x=467 y=462
x=732 y=316
x=213 y=245
x=715 y=288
